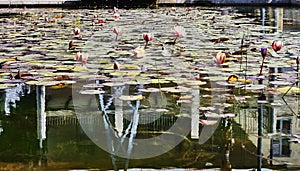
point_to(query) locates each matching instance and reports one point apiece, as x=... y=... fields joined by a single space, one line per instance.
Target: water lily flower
x=179 y=31
x=46 y=19
x=84 y=58
x=116 y=65
x=139 y=52
x=78 y=56
x=147 y=37
x=277 y=45
x=116 y=9
x=71 y=44
x=116 y=16
x=264 y=52
x=81 y=57
x=220 y=58
x=76 y=31
x=117 y=31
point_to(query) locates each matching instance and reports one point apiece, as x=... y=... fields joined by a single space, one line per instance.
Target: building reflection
x=275 y=122
x=271 y=20
x=123 y=120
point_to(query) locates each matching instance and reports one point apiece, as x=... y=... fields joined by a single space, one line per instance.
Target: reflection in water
x=195 y=113
x=119 y=135
x=41 y=114
x=261 y=102
x=58 y=144
x=227 y=143
x=12 y=95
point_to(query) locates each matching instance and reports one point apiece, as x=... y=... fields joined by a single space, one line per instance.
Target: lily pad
x=91 y=92
x=131 y=98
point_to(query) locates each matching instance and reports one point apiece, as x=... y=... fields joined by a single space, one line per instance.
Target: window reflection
x=281 y=148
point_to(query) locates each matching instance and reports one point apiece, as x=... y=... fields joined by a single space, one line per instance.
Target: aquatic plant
x=220 y=58
x=179 y=31
x=71 y=44
x=117 y=31
x=139 y=52
x=277 y=45
x=116 y=65
x=76 y=31
x=264 y=52
x=116 y=16
x=147 y=37
x=83 y=57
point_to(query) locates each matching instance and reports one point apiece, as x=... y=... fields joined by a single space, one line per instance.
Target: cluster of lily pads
x=166 y=49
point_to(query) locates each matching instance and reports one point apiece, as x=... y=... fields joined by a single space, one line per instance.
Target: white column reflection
x=41 y=114
x=195 y=112
x=119 y=116
x=278 y=19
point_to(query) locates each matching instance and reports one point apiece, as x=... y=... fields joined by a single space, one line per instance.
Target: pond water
x=87 y=89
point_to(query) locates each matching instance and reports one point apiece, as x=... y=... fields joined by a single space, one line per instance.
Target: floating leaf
x=80 y=68
x=194 y=83
x=280 y=83
x=159 y=81
x=91 y=92
x=149 y=90
x=289 y=90
x=131 y=98
x=113 y=84
x=5 y=86
x=92 y=85
x=208 y=122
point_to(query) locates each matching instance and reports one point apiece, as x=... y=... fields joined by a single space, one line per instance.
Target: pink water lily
x=71 y=44
x=277 y=45
x=78 y=56
x=220 y=58
x=117 y=31
x=76 y=31
x=46 y=19
x=179 y=31
x=82 y=57
x=116 y=9
x=147 y=37
x=116 y=16
x=116 y=65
